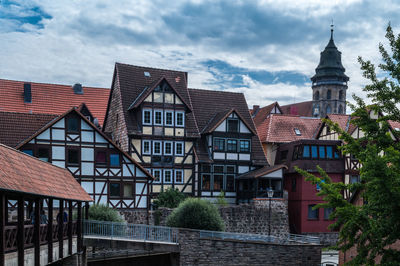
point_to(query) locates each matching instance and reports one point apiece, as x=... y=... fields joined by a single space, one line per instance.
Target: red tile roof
x=51 y=98
x=262 y=113
x=16 y=127
x=279 y=128
x=302 y=109
x=20 y=172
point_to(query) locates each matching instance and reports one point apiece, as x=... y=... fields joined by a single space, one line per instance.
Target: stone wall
x=327 y=239
x=250 y=218
x=201 y=251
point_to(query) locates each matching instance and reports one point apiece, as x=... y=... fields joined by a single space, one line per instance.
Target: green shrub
x=101 y=212
x=196 y=214
x=221 y=201
x=169 y=198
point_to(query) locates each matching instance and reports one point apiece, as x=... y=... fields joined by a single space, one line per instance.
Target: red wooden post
x=3 y=203
x=60 y=223
x=36 y=232
x=50 y=232
x=70 y=227
x=20 y=231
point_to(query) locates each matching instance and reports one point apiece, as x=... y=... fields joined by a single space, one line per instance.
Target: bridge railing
x=140 y=232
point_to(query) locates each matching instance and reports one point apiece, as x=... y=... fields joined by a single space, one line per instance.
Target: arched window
x=316 y=96
x=328 y=109
x=340 y=109
x=340 y=95
x=328 y=94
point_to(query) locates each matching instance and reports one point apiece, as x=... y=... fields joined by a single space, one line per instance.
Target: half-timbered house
x=71 y=141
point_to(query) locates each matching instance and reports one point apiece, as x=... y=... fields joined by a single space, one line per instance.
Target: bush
x=169 y=198
x=101 y=212
x=196 y=214
x=221 y=201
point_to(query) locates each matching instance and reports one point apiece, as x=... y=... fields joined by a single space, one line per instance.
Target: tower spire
x=332 y=30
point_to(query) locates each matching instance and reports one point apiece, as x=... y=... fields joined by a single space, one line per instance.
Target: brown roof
x=343 y=121
x=51 y=98
x=20 y=172
x=262 y=171
x=301 y=109
x=279 y=128
x=208 y=104
x=16 y=127
x=134 y=85
x=261 y=114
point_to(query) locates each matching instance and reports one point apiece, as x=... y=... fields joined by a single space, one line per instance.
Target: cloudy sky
x=267 y=49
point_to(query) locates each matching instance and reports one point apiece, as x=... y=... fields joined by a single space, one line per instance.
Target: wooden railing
x=11 y=235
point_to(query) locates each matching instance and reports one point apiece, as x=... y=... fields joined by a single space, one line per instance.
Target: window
x=297 y=131
x=328 y=94
x=230 y=183
x=328 y=109
x=219 y=144
x=322 y=152
x=101 y=157
x=146 y=117
x=218 y=182
x=293 y=184
x=157 y=175
x=306 y=151
x=233 y=125
x=73 y=157
x=168 y=147
x=146 y=147
x=30 y=152
x=179 y=148
x=340 y=95
x=206 y=168
x=205 y=182
x=283 y=156
x=115 y=189
x=230 y=169
x=167 y=176
x=157 y=147
x=114 y=160
x=244 y=146
x=72 y=124
x=218 y=168
x=327 y=212
x=231 y=145
x=340 y=109
x=169 y=118
x=128 y=191
x=336 y=154
x=329 y=152
x=318 y=185
x=354 y=179
x=312 y=214
x=158 y=115
x=43 y=154
x=178 y=176
x=314 y=151
x=180 y=119
x=316 y=96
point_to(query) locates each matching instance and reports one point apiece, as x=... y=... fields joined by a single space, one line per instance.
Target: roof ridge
x=215 y=91
x=155 y=68
x=47 y=83
x=24 y=113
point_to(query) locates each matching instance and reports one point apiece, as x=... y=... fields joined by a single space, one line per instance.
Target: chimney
x=255 y=110
x=27 y=93
x=78 y=88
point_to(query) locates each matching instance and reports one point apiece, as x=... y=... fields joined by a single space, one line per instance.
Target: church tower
x=329 y=84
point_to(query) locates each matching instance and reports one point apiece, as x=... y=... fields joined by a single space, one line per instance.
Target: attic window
x=147 y=74
x=297 y=131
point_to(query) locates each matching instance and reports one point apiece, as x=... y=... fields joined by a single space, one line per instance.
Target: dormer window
x=233 y=125
x=297 y=131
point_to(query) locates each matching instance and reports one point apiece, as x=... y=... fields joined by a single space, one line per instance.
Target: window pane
x=230 y=183
x=157 y=175
x=72 y=124
x=101 y=157
x=115 y=189
x=336 y=154
x=158 y=117
x=205 y=182
x=128 y=190
x=230 y=169
x=354 y=179
x=168 y=118
x=157 y=147
x=329 y=152
x=73 y=157
x=147 y=117
x=231 y=145
x=218 y=182
x=179 y=119
x=244 y=146
x=146 y=147
x=114 y=160
x=218 y=168
x=206 y=168
x=322 y=152
x=167 y=176
x=168 y=147
x=178 y=176
x=233 y=125
x=306 y=151
x=219 y=144
x=314 y=152
x=43 y=154
x=327 y=212
x=30 y=152
x=179 y=148
x=312 y=214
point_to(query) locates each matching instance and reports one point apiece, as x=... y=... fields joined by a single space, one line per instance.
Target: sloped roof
x=262 y=113
x=343 y=121
x=262 y=171
x=279 y=128
x=207 y=104
x=20 y=172
x=16 y=127
x=134 y=84
x=51 y=98
x=301 y=109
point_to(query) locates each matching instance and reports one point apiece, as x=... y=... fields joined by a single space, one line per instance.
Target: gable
x=223 y=126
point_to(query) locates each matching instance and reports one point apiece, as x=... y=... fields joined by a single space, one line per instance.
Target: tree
x=373 y=227
x=101 y=212
x=196 y=214
x=170 y=198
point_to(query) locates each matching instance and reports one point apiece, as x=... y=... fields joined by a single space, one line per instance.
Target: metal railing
x=140 y=232
x=303 y=239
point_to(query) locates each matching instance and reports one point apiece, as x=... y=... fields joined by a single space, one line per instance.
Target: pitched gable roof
x=343 y=121
x=17 y=127
x=51 y=98
x=20 y=172
x=301 y=109
x=262 y=113
x=133 y=85
x=279 y=128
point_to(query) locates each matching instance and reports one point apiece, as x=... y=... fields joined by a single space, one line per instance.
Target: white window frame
x=154 y=147
x=154 y=120
x=165 y=148
x=161 y=176
x=170 y=171
x=151 y=116
x=183 y=176
x=172 y=118
x=176 y=118
x=143 y=151
x=183 y=148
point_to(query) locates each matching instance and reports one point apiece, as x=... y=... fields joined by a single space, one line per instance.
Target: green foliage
x=157 y=217
x=221 y=201
x=196 y=214
x=169 y=198
x=374 y=226
x=101 y=212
